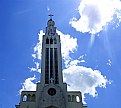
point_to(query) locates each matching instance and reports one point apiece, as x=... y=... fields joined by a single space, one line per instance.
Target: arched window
x=28 y=97
x=73 y=98
x=51 y=41
x=69 y=98
x=77 y=99
x=47 y=41
x=24 y=98
x=33 y=97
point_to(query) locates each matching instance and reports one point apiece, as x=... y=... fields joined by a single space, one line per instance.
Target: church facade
x=51 y=92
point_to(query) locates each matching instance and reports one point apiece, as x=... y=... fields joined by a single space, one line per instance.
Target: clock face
x=51 y=91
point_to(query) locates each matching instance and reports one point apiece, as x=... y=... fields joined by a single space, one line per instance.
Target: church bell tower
x=51 y=92
x=51 y=56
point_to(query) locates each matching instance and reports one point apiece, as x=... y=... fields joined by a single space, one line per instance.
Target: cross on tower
x=51 y=16
x=51 y=80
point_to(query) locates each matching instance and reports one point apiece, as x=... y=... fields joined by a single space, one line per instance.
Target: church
x=51 y=91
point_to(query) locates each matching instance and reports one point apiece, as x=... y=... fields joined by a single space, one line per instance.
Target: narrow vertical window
x=51 y=41
x=69 y=98
x=47 y=66
x=55 y=41
x=73 y=98
x=28 y=97
x=51 y=63
x=33 y=97
x=56 y=65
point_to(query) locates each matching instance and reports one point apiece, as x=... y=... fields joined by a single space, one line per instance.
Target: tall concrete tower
x=51 y=92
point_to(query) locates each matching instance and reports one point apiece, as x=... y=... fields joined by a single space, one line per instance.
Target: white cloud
x=37 y=53
x=38 y=47
x=95 y=14
x=68 y=45
x=82 y=61
x=74 y=62
x=36 y=68
x=84 y=79
x=28 y=85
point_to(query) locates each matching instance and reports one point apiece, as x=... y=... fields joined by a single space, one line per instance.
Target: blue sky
x=90 y=47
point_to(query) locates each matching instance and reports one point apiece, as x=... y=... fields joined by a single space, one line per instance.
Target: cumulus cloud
x=84 y=79
x=96 y=14
x=28 y=85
